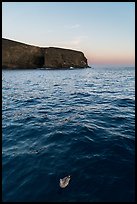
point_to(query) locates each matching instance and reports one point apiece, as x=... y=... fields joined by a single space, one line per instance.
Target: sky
x=103 y=31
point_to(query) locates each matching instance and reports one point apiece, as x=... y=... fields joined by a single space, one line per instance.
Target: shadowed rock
x=19 y=55
x=64 y=58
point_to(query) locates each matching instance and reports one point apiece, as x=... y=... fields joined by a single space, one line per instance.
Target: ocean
x=78 y=122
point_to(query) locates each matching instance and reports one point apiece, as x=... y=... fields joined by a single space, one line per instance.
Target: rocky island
x=16 y=55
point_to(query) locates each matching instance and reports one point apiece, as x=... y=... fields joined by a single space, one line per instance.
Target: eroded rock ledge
x=16 y=55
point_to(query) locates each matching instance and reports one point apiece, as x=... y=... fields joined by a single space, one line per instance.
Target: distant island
x=16 y=55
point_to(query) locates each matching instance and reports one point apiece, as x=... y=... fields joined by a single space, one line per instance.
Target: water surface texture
x=77 y=122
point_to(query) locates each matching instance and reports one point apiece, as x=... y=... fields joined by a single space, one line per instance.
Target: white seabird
x=64 y=182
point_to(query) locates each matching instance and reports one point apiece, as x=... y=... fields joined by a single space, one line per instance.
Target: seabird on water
x=64 y=182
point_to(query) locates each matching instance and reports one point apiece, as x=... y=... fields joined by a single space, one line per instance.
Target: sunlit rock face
x=16 y=55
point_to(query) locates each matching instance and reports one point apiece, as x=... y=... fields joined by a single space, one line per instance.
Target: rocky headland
x=16 y=55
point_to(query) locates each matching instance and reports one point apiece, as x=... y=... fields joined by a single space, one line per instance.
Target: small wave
x=31 y=100
x=80 y=94
x=90 y=139
x=125 y=102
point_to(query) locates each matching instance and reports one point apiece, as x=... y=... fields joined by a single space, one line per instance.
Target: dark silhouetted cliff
x=19 y=55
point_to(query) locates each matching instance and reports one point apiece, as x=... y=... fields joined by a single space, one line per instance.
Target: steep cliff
x=19 y=55
x=63 y=58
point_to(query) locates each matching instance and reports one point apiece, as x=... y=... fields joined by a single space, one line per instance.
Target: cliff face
x=20 y=55
x=63 y=58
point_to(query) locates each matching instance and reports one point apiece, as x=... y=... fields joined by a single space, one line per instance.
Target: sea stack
x=16 y=55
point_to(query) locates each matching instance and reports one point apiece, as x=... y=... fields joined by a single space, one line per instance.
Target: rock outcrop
x=16 y=55
x=19 y=55
x=64 y=58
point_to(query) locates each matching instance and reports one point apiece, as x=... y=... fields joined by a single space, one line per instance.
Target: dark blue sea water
x=68 y=122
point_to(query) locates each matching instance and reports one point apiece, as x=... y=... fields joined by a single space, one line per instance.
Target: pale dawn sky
x=105 y=31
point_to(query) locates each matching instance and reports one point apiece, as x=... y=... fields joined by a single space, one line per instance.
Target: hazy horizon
x=104 y=32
